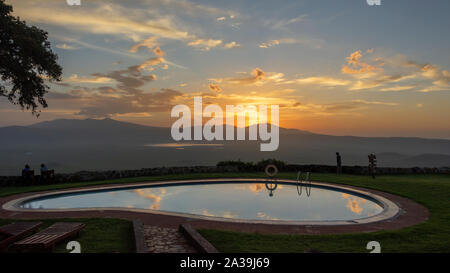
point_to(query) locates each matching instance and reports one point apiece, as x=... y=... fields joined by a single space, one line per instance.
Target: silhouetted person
x=46 y=174
x=26 y=169
x=372 y=164
x=27 y=173
x=43 y=169
x=338 y=163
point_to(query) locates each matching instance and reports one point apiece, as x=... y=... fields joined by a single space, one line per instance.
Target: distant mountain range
x=71 y=145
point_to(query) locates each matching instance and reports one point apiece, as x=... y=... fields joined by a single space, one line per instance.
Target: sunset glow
x=135 y=61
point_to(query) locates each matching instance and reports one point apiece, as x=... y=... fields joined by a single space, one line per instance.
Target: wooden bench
x=16 y=231
x=49 y=237
x=28 y=177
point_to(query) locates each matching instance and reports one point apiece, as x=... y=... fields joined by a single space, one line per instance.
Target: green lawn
x=433 y=191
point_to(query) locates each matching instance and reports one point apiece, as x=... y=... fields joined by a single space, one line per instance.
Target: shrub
x=250 y=166
x=261 y=165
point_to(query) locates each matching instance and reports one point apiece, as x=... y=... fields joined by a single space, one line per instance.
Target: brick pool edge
x=397 y=211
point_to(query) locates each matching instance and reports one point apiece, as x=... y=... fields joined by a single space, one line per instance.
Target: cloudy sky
x=335 y=67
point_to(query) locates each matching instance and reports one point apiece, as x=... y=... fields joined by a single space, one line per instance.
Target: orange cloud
x=147 y=65
x=324 y=81
x=158 y=52
x=66 y=46
x=148 y=43
x=257 y=77
x=357 y=66
x=440 y=77
x=215 y=87
x=232 y=45
x=269 y=44
x=398 y=88
x=354 y=57
x=147 y=193
x=102 y=18
x=312 y=42
x=367 y=68
x=263 y=215
x=256 y=187
x=205 y=44
x=354 y=203
x=95 y=79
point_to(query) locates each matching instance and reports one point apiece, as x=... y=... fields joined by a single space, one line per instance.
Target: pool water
x=242 y=200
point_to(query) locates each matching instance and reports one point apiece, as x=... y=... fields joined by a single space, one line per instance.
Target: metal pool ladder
x=306 y=183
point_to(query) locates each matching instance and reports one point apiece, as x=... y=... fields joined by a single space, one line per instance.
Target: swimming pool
x=252 y=200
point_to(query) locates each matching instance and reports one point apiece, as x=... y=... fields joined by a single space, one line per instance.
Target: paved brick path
x=166 y=240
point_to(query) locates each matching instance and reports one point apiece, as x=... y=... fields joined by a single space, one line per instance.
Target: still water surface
x=230 y=200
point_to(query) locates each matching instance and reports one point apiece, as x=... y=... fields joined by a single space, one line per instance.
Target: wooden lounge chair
x=16 y=231
x=49 y=237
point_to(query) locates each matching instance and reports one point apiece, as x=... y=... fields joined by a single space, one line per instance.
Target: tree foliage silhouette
x=26 y=62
